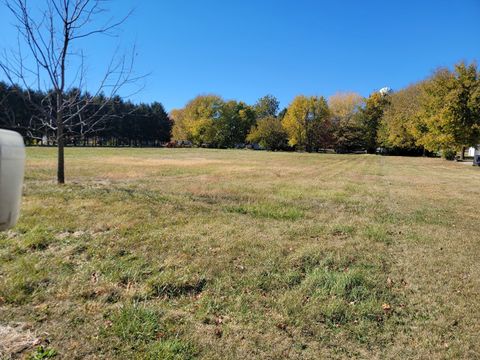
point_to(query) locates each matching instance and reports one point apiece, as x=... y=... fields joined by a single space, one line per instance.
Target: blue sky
x=244 y=49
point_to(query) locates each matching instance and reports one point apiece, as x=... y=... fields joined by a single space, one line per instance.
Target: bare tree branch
x=49 y=38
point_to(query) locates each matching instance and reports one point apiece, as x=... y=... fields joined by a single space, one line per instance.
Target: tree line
x=440 y=114
x=101 y=122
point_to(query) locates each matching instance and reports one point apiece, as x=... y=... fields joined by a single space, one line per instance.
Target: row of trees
x=94 y=121
x=440 y=113
x=344 y=122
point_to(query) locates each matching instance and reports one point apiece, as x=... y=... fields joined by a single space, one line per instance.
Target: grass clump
x=268 y=211
x=378 y=233
x=145 y=333
x=168 y=284
x=337 y=290
x=37 y=238
x=349 y=285
x=27 y=278
x=135 y=325
x=171 y=350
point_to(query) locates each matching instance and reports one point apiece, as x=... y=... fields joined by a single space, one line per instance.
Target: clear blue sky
x=244 y=49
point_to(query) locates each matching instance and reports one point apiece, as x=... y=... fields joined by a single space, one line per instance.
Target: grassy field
x=218 y=254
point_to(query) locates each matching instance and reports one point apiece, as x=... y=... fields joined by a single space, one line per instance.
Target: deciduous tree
x=348 y=130
x=266 y=106
x=269 y=133
x=232 y=127
x=371 y=114
x=179 y=130
x=50 y=34
x=401 y=116
x=450 y=113
x=307 y=123
x=199 y=116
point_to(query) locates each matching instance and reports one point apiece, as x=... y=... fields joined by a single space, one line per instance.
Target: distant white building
x=474 y=151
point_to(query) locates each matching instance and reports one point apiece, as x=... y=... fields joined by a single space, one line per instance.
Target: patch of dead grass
x=240 y=254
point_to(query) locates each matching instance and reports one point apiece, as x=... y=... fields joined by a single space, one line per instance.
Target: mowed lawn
x=236 y=254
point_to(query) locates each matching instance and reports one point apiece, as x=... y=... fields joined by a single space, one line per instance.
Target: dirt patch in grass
x=15 y=340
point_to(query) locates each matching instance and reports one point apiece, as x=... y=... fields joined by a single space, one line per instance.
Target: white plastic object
x=12 y=165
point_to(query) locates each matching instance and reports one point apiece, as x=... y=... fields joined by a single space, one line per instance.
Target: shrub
x=449 y=154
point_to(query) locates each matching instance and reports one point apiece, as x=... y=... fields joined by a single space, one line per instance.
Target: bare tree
x=57 y=68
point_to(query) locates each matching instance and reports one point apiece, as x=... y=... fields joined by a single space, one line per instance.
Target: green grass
x=268 y=211
x=223 y=254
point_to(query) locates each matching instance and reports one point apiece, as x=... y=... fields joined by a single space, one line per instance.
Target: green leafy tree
x=450 y=113
x=307 y=123
x=232 y=127
x=269 y=133
x=208 y=119
x=371 y=115
x=346 y=120
x=179 y=131
x=198 y=118
x=282 y=113
x=266 y=106
x=400 y=118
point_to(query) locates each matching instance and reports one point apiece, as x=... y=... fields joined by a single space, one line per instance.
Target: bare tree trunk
x=60 y=142
x=462 y=153
x=61 y=158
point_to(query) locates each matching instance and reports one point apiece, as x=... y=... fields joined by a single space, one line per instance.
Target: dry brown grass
x=210 y=254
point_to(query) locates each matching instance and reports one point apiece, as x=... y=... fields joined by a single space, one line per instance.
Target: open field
x=226 y=254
